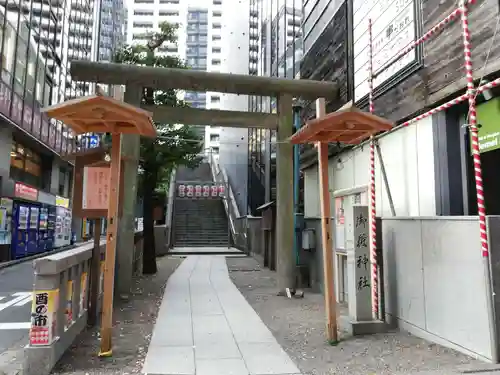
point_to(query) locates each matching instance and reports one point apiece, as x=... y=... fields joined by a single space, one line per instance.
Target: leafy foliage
x=175 y=145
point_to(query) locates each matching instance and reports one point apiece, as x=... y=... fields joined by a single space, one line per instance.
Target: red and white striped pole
x=372 y=197
x=481 y=209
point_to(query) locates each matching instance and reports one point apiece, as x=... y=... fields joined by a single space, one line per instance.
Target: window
x=144 y=1
x=214 y=138
x=169 y=1
x=215 y=150
x=216 y=37
x=143 y=24
x=143 y=12
x=25 y=165
x=216 y=25
x=216 y=49
x=169 y=13
x=217 y=2
x=216 y=13
x=215 y=62
x=215 y=99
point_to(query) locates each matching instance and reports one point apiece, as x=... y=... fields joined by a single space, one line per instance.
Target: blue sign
x=93 y=141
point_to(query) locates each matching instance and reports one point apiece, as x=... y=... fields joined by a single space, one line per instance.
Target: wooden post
x=109 y=264
x=94 y=274
x=327 y=236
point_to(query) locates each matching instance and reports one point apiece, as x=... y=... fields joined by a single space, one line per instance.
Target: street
x=16 y=285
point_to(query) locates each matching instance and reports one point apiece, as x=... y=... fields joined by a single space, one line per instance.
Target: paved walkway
x=206 y=327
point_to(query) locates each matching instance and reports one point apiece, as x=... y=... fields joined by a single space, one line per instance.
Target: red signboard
x=25 y=192
x=190 y=190
x=206 y=191
x=214 y=191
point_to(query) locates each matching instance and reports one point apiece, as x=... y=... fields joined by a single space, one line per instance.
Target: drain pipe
x=297 y=108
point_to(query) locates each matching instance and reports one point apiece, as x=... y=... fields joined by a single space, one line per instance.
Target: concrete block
x=367 y=328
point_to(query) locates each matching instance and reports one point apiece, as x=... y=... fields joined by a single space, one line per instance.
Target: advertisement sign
x=206 y=190
x=25 y=192
x=62 y=202
x=95 y=188
x=46 y=198
x=69 y=305
x=43 y=317
x=190 y=190
x=488 y=116
x=83 y=293
x=393 y=29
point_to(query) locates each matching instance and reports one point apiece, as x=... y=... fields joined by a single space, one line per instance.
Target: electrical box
x=308 y=239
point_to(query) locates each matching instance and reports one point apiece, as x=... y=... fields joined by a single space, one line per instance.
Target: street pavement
x=16 y=285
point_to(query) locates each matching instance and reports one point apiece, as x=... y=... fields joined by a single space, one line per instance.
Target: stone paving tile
x=229 y=337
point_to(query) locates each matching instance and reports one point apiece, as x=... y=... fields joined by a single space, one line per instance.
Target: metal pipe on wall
x=296 y=183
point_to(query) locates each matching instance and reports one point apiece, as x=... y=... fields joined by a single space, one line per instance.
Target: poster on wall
x=394 y=27
x=339 y=224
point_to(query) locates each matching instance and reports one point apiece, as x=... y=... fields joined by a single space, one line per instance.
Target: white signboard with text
x=393 y=28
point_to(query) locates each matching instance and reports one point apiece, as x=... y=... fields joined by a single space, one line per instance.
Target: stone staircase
x=200 y=223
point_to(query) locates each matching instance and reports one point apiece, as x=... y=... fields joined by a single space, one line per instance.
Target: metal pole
x=384 y=176
x=481 y=208
x=372 y=197
x=296 y=183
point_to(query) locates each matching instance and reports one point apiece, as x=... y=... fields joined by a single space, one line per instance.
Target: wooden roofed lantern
x=350 y=126
x=98 y=185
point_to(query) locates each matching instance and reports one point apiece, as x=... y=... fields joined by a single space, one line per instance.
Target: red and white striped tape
x=373 y=214
x=473 y=130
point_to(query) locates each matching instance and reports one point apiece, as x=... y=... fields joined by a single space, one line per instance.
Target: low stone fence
x=61 y=302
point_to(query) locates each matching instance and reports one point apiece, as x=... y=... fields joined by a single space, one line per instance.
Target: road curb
x=11 y=263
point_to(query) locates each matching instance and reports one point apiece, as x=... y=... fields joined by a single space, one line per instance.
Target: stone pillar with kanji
x=360 y=305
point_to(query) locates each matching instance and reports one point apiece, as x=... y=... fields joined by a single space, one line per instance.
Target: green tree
x=176 y=144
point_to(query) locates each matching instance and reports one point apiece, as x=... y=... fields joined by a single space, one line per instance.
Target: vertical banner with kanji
x=69 y=305
x=362 y=264
x=83 y=293
x=43 y=317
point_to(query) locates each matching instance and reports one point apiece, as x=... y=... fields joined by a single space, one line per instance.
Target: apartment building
x=200 y=43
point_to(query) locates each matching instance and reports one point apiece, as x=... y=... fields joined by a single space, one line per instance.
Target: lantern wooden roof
x=348 y=125
x=102 y=114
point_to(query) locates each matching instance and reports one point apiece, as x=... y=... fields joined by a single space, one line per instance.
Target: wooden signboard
x=91 y=187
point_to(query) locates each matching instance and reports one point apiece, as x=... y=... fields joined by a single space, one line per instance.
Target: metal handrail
x=220 y=176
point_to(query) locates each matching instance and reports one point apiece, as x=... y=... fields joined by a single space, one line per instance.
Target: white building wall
x=408 y=156
x=234 y=141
